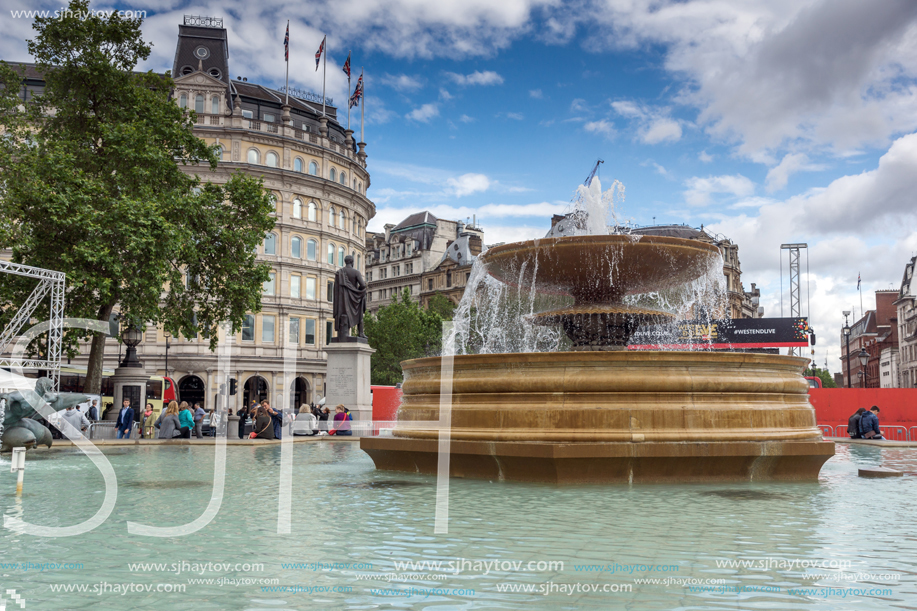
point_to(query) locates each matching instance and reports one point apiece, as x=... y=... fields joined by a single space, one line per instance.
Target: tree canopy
x=93 y=186
x=401 y=331
x=442 y=305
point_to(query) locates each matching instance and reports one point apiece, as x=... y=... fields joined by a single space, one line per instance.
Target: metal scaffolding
x=48 y=282
x=795 y=285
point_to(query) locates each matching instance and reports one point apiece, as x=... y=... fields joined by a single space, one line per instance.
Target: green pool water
x=353 y=528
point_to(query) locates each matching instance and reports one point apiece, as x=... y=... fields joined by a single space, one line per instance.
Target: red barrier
x=386 y=401
x=835 y=405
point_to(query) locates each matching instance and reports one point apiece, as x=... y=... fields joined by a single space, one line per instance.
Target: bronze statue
x=349 y=300
x=19 y=429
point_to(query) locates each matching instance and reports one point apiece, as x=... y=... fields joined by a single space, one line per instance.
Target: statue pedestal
x=129 y=383
x=348 y=380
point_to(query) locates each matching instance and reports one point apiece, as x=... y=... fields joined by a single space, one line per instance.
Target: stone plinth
x=129 y=382
x=879 y=472
x=604 y=417
x=348 y=379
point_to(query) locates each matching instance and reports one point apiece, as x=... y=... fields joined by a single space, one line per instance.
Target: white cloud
x=516 y=116
x=424 y=113
x=579 y=105
x=628 y=109
x=779 y=175
x=705 y=157
x=445 y=95
x=402 y=82
x=661 y=129
x=467 y=184
x=700 y=189
x=536 y=93
x=466 y=119
x=487 y=77
x=655 y=125
x=603 y=127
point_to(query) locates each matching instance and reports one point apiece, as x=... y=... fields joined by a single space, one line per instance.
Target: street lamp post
x=132 y=337
x=847 y=353
x=168 y=335
x=864 y=358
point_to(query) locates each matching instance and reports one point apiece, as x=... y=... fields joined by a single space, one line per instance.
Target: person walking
x=125 y=420
x=168 y=423
x=262 y=424
x=198 y=420
x=186 y=419
x=93 y=414
x=75 y=418
x=146 y=422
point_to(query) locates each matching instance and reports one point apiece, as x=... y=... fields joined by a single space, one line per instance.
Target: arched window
x=215 y=105
x=297 y=165
x=271 y=159
x=332 y=175
x=296 y=248
x=199 y=103
x=331 y=253
x=343 y=180
x=331 y=218
x=360 y=187
x=270 y=244
x=341 y=256
x=218 y=151
x=297 y=208
x=313 y=168
x=358 y=262
x=254 y=156
x=312 y=216
x=183 y=101
x=311 y=250
x=342 y=220
x=354 y=184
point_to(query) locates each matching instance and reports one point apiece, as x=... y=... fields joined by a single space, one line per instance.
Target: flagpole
x=324 y=74
x=348 y=90
x=362 y=104
x=287 y=87
x=859 y=286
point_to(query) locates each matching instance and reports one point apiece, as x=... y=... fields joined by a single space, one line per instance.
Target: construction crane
x=589 y=178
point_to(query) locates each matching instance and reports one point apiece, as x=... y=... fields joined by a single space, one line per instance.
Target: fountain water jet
x=597 y=413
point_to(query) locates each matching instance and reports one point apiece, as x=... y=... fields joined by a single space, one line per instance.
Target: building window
x=358 y=261
x=360 y=189
x=313 y=168
x=247 y=114
x=331 y=174
x=369 y=276
x=330 y=291
x=331 y=217
x=342 y=220
x=271 y=159
x=254 y=156
x=448 y=279
x=310 y=331
x=354 y=184
x=344 y=178
x=294 y=330
x=295 y=283
x=297 y=209
x=312 y=212
x=218 y=151
x=311 y=248
x=396 y=271
x=341 y=256
x=297 y=165
x=430 y=284
x=215 y=105
x=296 y=248
x=248 y=328
x=329 y=329
x=269 y=285
x=268 y=118
x=270 y=244
x=331 y=253
x=310 y=288
x=267 y=329
x=199 y=104
x=183 y=101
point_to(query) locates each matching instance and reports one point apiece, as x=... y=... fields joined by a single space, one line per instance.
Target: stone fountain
x=598 y=413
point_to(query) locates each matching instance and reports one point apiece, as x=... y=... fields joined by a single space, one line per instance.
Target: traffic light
x=232 y=386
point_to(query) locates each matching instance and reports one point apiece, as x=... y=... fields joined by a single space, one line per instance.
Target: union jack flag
x=347 y=66
x=318 y=54
x=286 y=45
x=357 y=92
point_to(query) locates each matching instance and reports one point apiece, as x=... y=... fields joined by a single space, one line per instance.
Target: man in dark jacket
x=125 y=420
x=276 y=418
x=869 y=424
x=243 y=416
x=853 y=424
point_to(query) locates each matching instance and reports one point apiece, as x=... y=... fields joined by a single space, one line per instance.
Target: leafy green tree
x=827 y=380
x=442 y=305
x=93 y=187
x=401 y=331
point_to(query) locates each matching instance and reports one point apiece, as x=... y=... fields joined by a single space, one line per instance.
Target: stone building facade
x=408 y=255
x=906 y=306
x=875 y=331
x=318 y=176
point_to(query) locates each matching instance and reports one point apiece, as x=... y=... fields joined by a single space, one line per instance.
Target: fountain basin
x=602 y=417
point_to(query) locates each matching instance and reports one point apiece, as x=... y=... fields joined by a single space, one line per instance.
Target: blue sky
x=767 y=121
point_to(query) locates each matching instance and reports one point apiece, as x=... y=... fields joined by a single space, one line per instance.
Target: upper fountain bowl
x=600 y=268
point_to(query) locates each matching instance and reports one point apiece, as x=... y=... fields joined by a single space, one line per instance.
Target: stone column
x=348 y=379
x=129 y=383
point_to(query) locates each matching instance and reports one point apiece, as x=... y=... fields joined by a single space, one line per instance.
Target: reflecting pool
x=363 y=539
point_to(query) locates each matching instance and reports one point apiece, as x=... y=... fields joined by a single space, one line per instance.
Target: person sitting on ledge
x=869 y=424
x=853 y=424
x=341 y=422
x=262 y=424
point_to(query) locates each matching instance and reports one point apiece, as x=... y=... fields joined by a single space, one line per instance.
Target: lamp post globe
x=863 y=356
x=132 y=337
